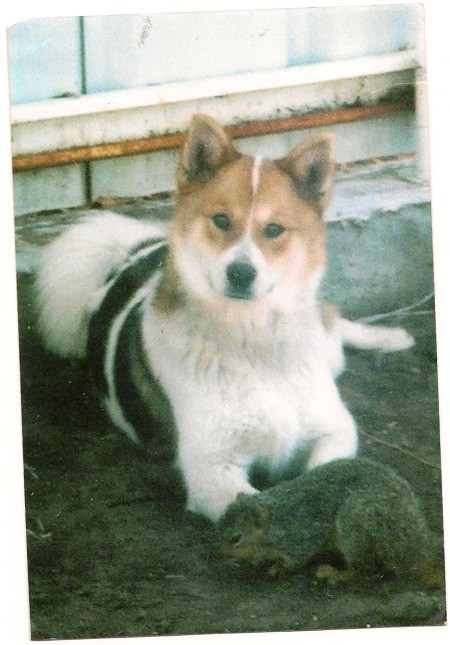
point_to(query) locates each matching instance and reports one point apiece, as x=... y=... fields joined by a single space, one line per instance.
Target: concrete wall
x=380 y=264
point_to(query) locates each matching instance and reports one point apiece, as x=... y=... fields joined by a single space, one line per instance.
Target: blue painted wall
x=45 y=59
x=59 y=56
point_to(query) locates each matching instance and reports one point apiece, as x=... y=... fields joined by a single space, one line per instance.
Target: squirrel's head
x=243 y=532
x=243 y=517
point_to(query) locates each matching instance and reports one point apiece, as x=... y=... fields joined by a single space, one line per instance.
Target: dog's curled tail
x=362 y=336
x=73 y=270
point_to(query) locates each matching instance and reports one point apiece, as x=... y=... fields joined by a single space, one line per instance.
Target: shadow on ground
x=112 y=552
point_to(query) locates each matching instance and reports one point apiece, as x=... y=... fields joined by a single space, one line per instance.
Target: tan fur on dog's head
x=249 y=229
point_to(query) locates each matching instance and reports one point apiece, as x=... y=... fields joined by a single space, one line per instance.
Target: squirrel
x=362 y=510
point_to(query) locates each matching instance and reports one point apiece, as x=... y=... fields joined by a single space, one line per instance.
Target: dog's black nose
x=240 y=277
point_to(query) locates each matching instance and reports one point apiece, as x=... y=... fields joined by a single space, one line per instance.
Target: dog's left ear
x=206 y=150
x=311 y=167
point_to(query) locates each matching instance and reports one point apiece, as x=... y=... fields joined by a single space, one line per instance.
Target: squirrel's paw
x=333 y=576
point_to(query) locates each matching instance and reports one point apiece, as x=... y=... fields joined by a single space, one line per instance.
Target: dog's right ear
x=206 y=150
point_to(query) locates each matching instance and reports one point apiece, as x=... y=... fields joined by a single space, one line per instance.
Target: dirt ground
x=112 y=552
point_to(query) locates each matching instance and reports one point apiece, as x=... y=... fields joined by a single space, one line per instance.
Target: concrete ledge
x=363 y=190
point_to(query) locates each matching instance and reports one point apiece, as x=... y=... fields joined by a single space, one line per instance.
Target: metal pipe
x=175 y=140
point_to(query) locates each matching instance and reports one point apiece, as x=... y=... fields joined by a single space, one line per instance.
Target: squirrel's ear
x=249 y=509
x=311 y=167
x=261 y=515
x=255 y=511
x=206 y=150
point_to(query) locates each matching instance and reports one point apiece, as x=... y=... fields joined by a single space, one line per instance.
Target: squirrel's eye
x=236 y=539
x=222 y=221
x=273 y=230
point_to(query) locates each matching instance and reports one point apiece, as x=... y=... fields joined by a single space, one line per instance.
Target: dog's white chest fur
x=248 y=391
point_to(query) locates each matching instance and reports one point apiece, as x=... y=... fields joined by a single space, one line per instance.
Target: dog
x=215 y=319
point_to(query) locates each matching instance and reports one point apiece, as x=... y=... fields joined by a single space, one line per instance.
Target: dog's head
x=248 y=229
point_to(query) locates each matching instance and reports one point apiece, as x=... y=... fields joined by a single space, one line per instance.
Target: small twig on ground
x=398 y=312
x=405 y=451
x=31 y=471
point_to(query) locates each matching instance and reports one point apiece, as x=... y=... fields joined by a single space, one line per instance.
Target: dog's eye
x=222 y=221
x=273 y=230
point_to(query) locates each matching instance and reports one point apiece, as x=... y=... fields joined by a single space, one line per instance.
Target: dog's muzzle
x=240 y=279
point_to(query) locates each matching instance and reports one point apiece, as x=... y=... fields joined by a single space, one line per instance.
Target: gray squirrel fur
x=358 y=508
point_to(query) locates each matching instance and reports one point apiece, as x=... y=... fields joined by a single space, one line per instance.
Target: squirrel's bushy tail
x=386 y=532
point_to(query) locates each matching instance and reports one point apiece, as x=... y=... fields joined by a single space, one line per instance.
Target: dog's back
x=73 y=271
